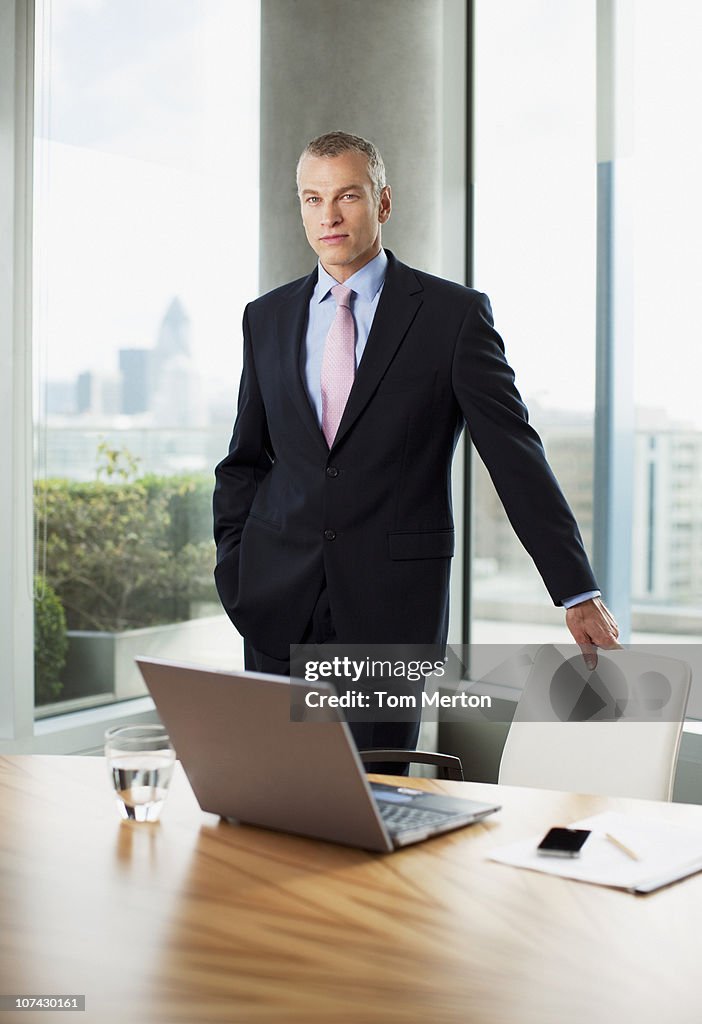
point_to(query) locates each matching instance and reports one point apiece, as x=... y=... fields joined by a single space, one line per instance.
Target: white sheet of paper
x=667 y=851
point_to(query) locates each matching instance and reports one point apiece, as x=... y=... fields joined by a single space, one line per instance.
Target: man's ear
x=385 y=206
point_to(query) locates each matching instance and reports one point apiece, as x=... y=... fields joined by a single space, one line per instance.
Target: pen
x=622 y=846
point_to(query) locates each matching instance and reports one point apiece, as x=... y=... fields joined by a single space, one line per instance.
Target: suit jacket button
x=330 y=534
x=332 y=471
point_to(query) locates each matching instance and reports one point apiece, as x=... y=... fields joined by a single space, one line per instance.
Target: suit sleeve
x=238 y=476
x=498 y=423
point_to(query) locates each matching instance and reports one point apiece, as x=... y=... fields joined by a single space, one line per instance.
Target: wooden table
x=192 y=920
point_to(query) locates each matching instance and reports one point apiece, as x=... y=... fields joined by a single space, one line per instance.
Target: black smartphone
x=563 y=842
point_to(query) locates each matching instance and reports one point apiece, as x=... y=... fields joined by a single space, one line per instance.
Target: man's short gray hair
x=336 y=143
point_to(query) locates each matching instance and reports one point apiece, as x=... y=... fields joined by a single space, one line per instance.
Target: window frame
x=614 y=438
x=76 y=732
x=614 y=427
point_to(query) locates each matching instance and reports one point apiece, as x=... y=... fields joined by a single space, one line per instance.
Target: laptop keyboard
x=399 y=817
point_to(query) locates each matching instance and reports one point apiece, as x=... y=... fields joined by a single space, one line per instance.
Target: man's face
x=341 y=217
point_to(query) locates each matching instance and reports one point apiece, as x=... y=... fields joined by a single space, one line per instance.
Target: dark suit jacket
x=373 y=515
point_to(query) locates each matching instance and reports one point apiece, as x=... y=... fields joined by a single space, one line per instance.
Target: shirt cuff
x=569 y=602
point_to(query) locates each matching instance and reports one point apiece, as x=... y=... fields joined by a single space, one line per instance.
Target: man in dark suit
x=333 y=507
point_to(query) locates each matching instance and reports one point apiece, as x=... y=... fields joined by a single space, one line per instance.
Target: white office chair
x=615 y=731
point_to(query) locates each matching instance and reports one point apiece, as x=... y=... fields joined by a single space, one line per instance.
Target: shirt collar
x=366 y=282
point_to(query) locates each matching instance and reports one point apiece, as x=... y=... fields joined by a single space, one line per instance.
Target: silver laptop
x=246 y=759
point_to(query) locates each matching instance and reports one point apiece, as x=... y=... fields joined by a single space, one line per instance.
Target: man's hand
x=593 y=625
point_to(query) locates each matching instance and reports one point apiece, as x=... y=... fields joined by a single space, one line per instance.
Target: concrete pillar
x=367 y=67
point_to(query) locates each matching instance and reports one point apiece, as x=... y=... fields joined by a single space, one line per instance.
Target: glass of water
x=140 y=762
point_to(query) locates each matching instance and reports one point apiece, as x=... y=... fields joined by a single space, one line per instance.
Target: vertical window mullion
x=16 y=598
x=614 y=399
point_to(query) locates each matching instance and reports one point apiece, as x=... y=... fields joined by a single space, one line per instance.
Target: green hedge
x=127 y=554
x=50 y=642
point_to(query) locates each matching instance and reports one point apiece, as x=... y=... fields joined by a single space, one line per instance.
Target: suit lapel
x=291 y=319
x=399 y=302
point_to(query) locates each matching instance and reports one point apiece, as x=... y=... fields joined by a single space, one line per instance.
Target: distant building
x=666 y=534
x=174 y=334
x=497 y=552
x=160 y=385
x=178 y=399
x=84 y=391
x=667 y=546
x=99 y=394
x=177 y=394
x=61 y=397
x=135 y=366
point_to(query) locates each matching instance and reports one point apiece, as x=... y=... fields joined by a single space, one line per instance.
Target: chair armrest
x=449 y=767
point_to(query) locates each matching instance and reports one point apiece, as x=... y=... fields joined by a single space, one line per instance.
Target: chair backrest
x=615 y=731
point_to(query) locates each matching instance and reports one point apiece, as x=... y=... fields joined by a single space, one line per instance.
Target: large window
x=667 y=225
x=145 y=251
x=587 y=223
x=535 y=256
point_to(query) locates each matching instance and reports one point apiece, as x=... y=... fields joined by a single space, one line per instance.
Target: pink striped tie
x=338 y=363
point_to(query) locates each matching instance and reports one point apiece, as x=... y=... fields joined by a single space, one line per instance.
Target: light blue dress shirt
x=366 y=285
x=569 y=602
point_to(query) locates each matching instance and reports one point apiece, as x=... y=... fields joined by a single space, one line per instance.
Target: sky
x=147 y=187
x=146 y=167
x=536 y=198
